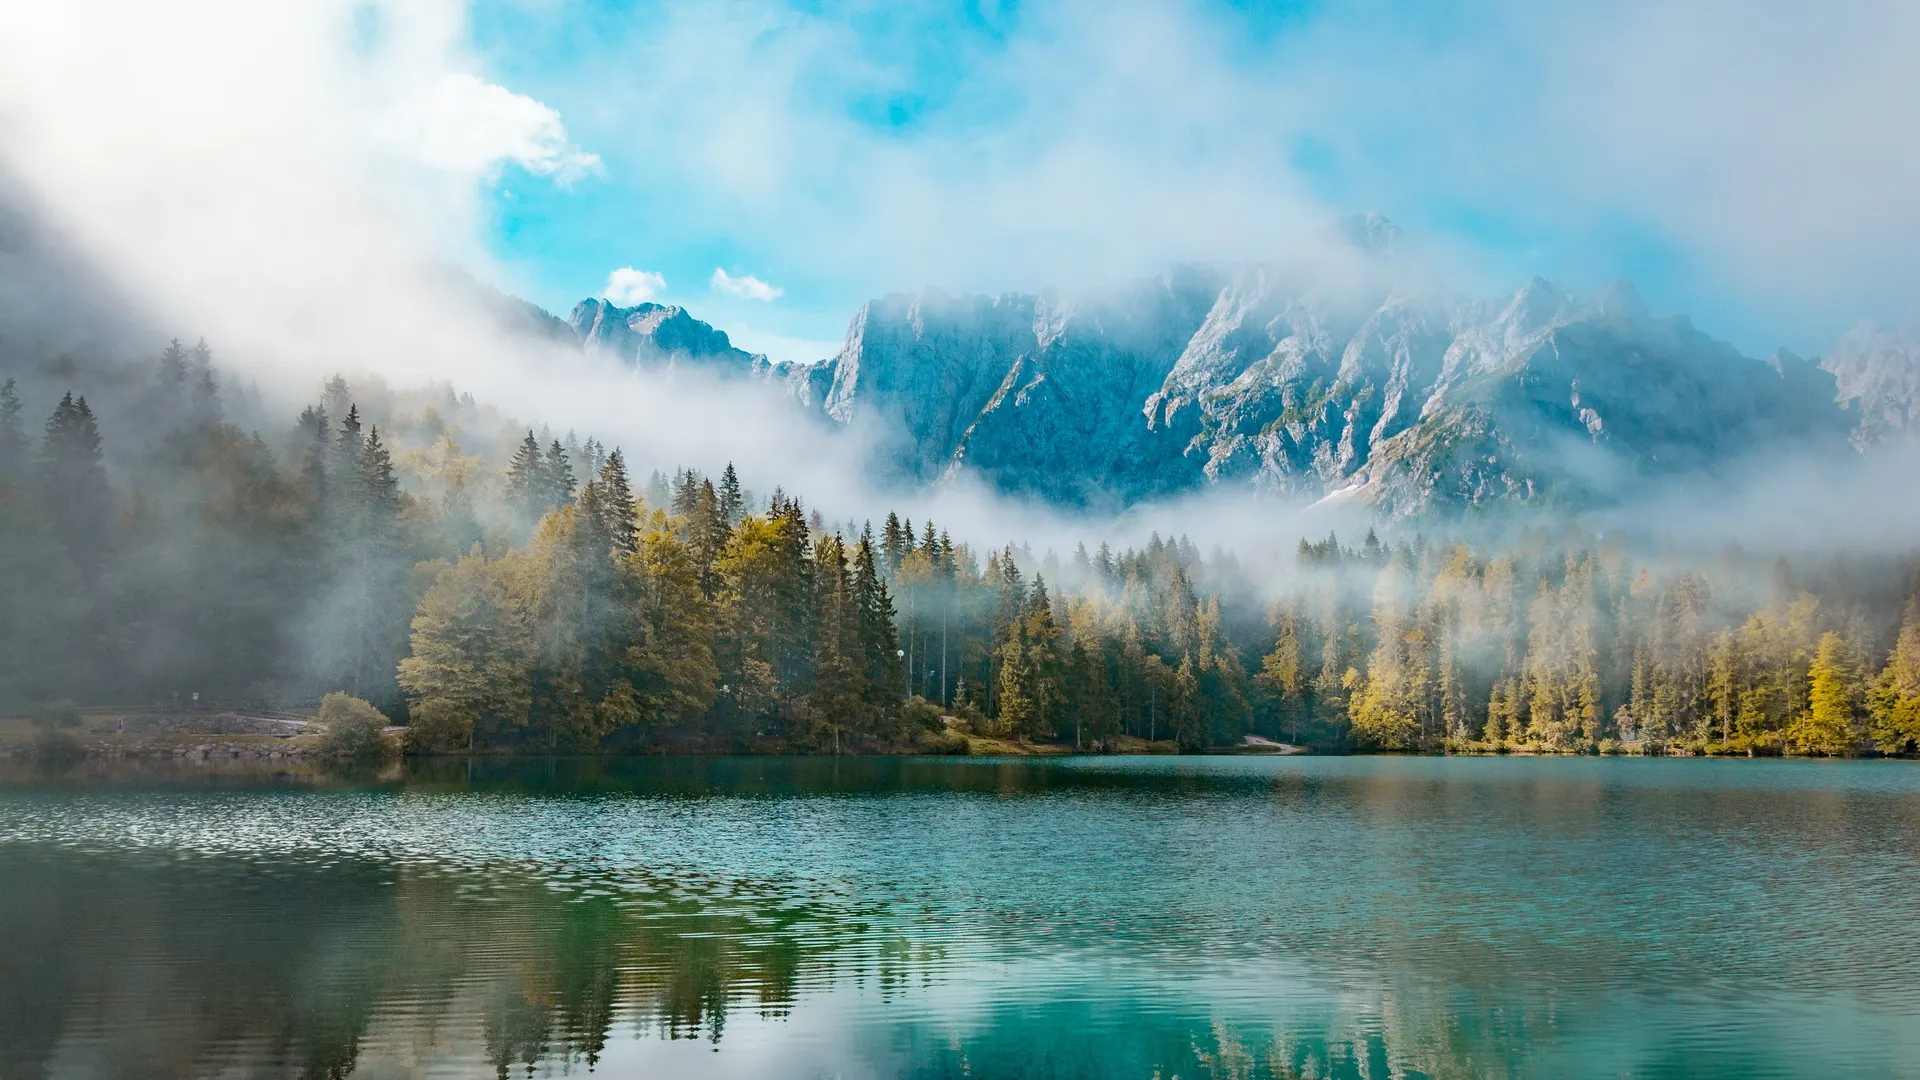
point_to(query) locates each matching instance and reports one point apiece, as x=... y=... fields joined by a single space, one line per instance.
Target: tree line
x=555 y=602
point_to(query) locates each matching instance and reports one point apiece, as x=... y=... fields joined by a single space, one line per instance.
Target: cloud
x=303 y=231
x=1735 y=153
x=1090 y=142
x=467 y=125
x=308 y=221
x=313 y=216
x=747 y=287
x=627 y=286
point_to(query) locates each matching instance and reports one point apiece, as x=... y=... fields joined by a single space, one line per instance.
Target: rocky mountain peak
x=1212 y=375
x=657 y=335
x=1877 y=372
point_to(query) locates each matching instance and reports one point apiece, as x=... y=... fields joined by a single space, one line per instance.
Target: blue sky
x=1734 y=160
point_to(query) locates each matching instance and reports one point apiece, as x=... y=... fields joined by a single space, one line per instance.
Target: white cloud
x=747 y=287
x=293 y=228
x=627 y=286
x=1085 y=142
x=469 y=126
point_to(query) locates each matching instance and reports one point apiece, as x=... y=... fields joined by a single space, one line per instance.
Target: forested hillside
x=554 y=601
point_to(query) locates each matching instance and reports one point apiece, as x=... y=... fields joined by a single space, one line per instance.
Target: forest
x=554 y=601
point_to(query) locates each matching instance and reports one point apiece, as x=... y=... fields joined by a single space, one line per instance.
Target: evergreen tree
x=839 y=697
x=1043 y=666
x=675 y=673
x=203 y=406
x=1829 y=727
x=556 y=476
x=617 y=505
x=879 y=643
x=582 y=607
x=313 y=466
x=891 y=545
x=1282 y=673
x=359 y=633
x=172 y=372
x=73 y=484
x=707 y=533
x=526 y=480
x=732 y=500
x=686 y=494
x=376 y=487
x=13 y=434
x=1390 y=704
x=1894 y=700
x=346 y=447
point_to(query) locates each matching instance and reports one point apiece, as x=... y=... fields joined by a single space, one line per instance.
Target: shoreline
x=20 y=742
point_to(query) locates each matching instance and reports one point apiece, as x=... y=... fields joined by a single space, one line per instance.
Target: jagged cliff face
x=1878 y=373
x=658 y=335
x=1407 y=403
x=1411 y=405
x=1018 y=388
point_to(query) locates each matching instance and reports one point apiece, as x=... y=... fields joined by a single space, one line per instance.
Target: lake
x=874 y=917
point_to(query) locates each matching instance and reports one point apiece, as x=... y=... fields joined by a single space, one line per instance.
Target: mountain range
x=1245 y=376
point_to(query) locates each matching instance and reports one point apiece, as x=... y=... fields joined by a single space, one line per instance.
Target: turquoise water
x=1145 y=917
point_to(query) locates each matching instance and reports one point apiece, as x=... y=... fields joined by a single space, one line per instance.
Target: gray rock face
x=1003 y=386
x=658 y=335
x=1210 y=377
x=1207 y=376
x=1878 y=373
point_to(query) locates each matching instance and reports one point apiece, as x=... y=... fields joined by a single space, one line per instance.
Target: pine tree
x=707 y=533
x=616 y=500
x=13 y=435
x=1724 y=671
x=1044 y=666
x=203 y=407
x=890 y=543
x=171 y=387
x=313 y=466
x=675 y=673
x=556 y=475
x=1013 y=708
x=840 y=693
x=766 y=609
x=346 y=447
x=879 y=643
x=376 y=487
x=362 y=634
x=1282 y=674
x=686 y=494
x=526 y=480
x=172 y=373
x=1829 y=726
x=1387 y=706
x=582 y=606
x=732 y=501
x=1894 y=700
x=73 y=483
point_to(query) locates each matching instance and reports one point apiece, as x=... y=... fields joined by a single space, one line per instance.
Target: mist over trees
x=532 y=593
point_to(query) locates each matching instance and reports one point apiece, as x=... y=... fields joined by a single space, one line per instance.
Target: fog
x=299 y=183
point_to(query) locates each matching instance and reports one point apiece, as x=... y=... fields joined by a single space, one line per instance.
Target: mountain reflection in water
x=876 y=917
